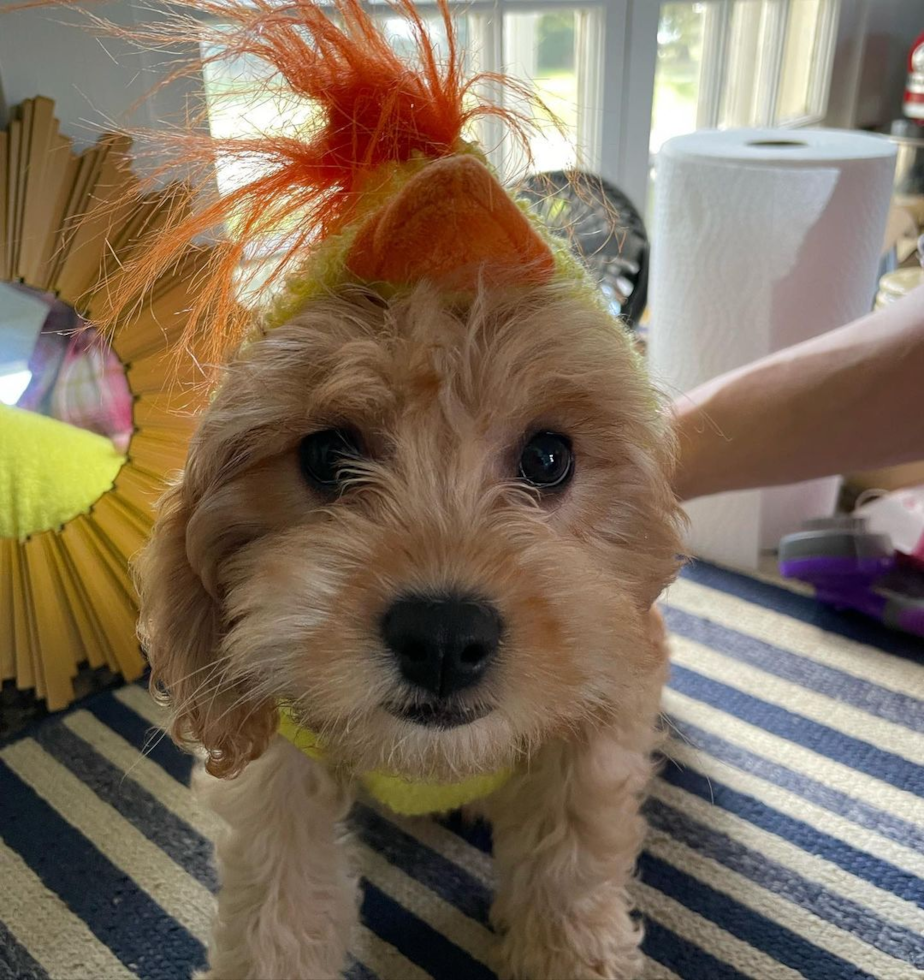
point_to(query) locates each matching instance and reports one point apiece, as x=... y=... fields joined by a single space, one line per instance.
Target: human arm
x=851 y=399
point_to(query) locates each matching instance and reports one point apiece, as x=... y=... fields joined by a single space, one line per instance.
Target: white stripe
x=799 y=700
x=59 y=941
x=815 y=869
x=707 y=935
x=180 y=895
x=806 y=924
x=795 y=806
x=382 y=958
x=175 y=796
x=142 y=704
x=820 y=768
x=429 y=907
x=897 y=674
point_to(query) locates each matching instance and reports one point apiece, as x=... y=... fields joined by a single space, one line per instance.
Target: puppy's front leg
x=566 y=836
x=288 y=898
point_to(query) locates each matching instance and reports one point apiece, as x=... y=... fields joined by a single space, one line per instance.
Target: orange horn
x=452 y=224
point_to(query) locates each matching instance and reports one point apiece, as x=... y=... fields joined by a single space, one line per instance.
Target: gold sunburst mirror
x=89 y=429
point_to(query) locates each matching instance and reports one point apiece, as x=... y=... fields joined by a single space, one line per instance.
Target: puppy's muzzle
x=443 y=645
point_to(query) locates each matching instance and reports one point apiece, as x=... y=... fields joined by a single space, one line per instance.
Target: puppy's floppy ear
x=181 y=628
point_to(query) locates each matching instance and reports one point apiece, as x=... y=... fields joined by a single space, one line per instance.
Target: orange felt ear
x=451 y=223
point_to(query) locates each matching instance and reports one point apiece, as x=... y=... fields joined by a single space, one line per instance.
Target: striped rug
x=787 y=834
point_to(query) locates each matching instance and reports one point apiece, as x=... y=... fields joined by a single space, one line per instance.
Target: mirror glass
x=65 y=412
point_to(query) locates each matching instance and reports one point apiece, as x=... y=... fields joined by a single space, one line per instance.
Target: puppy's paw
x=570 y=950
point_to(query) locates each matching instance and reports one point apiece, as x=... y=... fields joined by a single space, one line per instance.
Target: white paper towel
x=762 y=238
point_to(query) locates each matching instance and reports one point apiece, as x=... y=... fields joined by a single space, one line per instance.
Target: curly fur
x=255 y=590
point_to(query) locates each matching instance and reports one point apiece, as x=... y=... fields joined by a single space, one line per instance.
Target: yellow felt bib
x=410 y=798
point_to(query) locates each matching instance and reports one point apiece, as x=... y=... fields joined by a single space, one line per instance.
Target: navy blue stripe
x=15 y=961
x=689 y=962
x=421 y=944
x=137 y=930
x=858 y=812
x=757 y=930
x=902 y=709
x=144 y=737
x=819 y=738
x=450 y=881
x=853 y=626
x=881 y=873
x=474 y=832
x=861 y=921
x=164 y=828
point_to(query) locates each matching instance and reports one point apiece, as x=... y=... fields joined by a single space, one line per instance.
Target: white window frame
x=717 y=32
x=617 y=47
x=616 y=43
x=600 y=27
x=616 y=79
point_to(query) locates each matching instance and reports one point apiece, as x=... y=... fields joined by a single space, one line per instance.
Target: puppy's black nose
x=442 y=644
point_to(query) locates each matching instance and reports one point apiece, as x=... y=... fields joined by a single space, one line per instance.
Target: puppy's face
x=433 y=532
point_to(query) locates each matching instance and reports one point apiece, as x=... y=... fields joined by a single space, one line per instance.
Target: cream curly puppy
x=433 y=530
x=423 y=519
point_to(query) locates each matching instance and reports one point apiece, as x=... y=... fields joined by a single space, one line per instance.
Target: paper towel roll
x=762 y=238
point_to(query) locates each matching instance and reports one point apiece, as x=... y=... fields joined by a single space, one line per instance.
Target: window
x=725 y=63
x=540 y=45
x=622 y=76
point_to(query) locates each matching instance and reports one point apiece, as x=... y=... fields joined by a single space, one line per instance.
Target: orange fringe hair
x=375 y=109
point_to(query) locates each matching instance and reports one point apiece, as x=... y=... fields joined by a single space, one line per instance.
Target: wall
x=874 y=37
x=893 y=26
x=95 y=81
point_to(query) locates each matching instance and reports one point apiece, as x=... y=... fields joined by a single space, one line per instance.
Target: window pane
x=400 y=34
x=801 y=59
x=540 y=50
x=745 y=95
x=246 y=98
x=678 y=72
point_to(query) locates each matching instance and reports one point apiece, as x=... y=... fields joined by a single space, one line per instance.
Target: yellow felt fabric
x=406 y=797
x=49 y=471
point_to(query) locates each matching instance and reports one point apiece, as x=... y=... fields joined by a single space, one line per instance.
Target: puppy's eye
x=547 y=461
x=324 y=455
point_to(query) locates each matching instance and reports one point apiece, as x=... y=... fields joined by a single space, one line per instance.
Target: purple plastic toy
x=850 y=568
